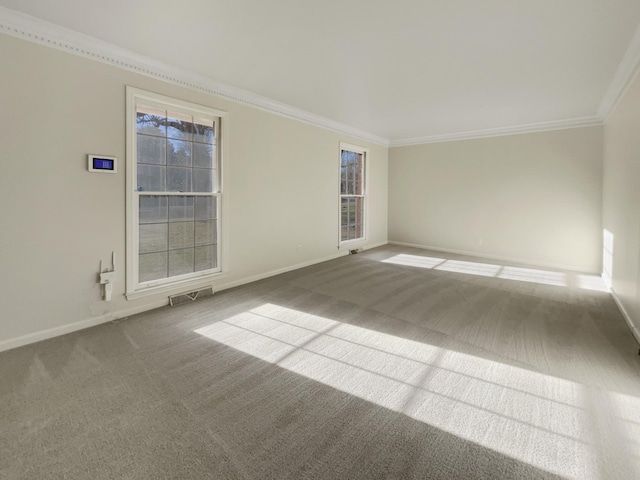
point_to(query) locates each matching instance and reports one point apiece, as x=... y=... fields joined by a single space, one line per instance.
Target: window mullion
x=175 y=194
x=353 y=199
x=155 y=116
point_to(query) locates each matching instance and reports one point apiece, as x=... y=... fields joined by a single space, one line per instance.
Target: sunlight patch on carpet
x=554 y=424
x=519 y=274
x=545 y=421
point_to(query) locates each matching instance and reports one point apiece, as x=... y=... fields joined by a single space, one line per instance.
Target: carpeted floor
x=395 y=363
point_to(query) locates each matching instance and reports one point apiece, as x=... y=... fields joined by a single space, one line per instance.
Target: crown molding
x=626 y=72
x=500 y=131
x=35 y=30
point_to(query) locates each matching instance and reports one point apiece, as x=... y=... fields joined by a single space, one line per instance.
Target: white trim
x=502 y=258
x=353 y=148
x=131 y=209
x=163 y=301
x=74 y=327
x=374 y=245
x=135 y=288
x=625 y=314
x=626 y=72
x=174 y=288
x=349 y=244
x=39 y=31
x=501 y=131
x=278 y=271
x=365 y=195
x=35 y=30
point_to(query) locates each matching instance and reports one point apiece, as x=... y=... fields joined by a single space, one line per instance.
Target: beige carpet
x=394 y=363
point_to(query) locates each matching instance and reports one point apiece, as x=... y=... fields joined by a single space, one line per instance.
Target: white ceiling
x=399 y=70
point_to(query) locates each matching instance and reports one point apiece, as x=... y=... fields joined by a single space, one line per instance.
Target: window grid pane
x=177 y=235
x=204 y=130
x=181 y=149
x=176 y=151
x=351 y=217
x=181 y=261
x=151 y=120
x=352 y=192
x=152 y=266
x=151 y=150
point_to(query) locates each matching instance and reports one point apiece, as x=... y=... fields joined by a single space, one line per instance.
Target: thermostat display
x=100 y=163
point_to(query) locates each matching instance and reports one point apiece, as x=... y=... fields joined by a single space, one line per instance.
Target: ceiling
x=399 y=70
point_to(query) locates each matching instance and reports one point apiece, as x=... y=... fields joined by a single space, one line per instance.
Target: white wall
x=59 y=221
x=621 y=212
x=533 y=197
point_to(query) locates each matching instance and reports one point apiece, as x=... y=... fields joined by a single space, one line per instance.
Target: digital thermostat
x=100 y=163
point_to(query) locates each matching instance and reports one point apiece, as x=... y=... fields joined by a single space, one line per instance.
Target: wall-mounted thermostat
x=100 y=163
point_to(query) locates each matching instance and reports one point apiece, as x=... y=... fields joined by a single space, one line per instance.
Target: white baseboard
x=273 y=273
x=501 y=258
x=161 y=302
x=627 y=317
x=32 y=29
x=375 y=245
x=74 y=327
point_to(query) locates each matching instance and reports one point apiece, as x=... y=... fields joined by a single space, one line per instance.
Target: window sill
x=176 y=287
x=351 y=243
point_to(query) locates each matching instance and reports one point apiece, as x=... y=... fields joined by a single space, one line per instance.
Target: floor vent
x=190 y=296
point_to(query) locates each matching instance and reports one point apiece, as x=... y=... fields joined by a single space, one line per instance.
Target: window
x=173 y=192
x=352 y=193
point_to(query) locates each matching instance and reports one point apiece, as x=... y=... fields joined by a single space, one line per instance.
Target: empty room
x=320 y=240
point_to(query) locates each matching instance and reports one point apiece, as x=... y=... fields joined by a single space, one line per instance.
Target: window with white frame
x=174 y=191
x=352 y=193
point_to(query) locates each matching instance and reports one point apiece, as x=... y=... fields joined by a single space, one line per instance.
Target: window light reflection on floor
x=534 y=276
x=520 y=274
x=415 y=261
x=472 y=268
x=592 y=282
x=607 y=257
x=553 y=424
